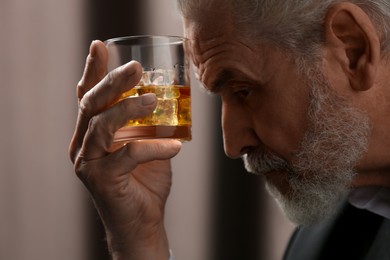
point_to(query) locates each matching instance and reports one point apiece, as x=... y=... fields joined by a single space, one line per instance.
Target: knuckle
x=95 y=125
x=83 y=109
x=80 y=88
x=88 y=173
x=110 y=78
x=87 y=104
x=100 y=128
x=83 y=172
x=81 y=169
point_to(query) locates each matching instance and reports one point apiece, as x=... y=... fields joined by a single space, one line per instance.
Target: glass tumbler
x=166 y=74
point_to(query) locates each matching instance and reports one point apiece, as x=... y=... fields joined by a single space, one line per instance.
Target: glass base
x=131 y=133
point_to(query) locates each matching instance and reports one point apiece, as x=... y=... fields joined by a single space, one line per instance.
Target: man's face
x=289 y=127
x=324 y=166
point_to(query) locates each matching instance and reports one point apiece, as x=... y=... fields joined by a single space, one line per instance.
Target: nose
x=239 y=135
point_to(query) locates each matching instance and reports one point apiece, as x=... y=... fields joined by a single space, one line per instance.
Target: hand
x=130 y=184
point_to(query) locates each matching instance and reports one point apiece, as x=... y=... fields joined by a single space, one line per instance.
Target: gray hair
x=293 y=24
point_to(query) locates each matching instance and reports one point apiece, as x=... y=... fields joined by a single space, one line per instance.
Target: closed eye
x=243 y=92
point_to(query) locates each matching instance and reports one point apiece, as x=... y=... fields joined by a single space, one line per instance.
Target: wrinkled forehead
x=207 y=27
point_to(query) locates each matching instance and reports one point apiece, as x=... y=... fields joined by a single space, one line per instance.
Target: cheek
x=281 y=124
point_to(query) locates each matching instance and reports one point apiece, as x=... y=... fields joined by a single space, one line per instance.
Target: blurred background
x=215 y=211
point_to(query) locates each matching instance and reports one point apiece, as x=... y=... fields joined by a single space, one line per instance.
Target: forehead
x=218 y=49
x=206 y=21
x=207 y=29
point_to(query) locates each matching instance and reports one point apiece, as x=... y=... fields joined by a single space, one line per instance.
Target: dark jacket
x=355 y=234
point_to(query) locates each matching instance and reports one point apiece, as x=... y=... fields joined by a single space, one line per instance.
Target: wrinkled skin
x=129 y=183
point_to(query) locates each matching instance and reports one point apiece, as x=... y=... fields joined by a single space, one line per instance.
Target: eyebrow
x=221 y=80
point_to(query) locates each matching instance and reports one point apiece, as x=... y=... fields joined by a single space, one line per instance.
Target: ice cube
x=165 y=112
x=161 y=77
x=167 y=92
x=145 y=80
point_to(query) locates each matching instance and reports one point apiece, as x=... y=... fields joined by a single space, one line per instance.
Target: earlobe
x=351 y=36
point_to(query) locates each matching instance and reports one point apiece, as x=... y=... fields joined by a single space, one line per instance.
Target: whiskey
x=171 y=118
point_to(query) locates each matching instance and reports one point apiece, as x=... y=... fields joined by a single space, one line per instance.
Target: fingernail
x=148 y=99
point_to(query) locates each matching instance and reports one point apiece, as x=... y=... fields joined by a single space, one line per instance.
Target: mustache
x=260 y=161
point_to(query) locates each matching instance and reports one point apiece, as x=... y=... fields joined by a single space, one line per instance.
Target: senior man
x=305 y=102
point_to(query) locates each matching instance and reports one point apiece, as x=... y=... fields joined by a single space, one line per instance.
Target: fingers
x=110 y=89
x=94 y=71
x=99 y=136
x=96 y=127
x=97 y=93
x=119 y=163
x=144 y=151
x=127 y=158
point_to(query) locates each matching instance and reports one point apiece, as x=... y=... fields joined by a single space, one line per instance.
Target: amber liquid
x=171 y=118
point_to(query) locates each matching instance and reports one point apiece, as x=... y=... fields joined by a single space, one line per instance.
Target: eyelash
x=243 y=91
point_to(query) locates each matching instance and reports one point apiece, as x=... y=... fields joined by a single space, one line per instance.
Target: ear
x=352 y=37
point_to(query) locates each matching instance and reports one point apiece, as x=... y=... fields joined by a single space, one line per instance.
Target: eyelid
x=242 y=87
x=239 y=86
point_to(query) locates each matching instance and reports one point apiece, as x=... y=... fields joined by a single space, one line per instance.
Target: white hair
x=293 y=24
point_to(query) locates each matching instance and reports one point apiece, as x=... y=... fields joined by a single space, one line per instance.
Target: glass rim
x=123 y=39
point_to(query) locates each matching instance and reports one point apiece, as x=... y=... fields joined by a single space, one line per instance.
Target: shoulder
x=367 y=235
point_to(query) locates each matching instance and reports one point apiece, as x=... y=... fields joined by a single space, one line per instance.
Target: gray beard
x=323 y=168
